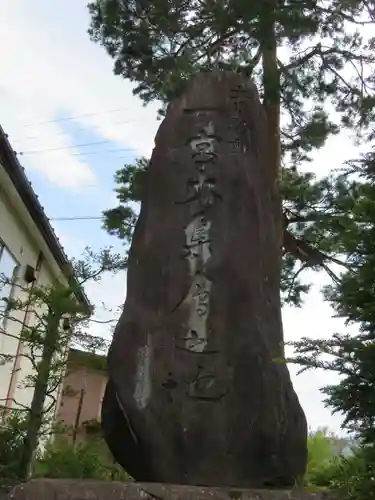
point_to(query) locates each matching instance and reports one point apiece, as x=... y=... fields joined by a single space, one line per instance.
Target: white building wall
x=20 y=235
x=23 y=394
x=19 y=245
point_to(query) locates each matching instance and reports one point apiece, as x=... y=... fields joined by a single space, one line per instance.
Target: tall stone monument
x=196 y=395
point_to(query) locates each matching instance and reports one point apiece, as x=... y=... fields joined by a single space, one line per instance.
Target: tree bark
x=35 y=418
x=271 y=102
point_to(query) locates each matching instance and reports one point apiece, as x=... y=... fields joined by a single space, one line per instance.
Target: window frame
x=14 y=279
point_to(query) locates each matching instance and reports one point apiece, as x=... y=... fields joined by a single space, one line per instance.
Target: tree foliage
x=308 y=58
x=12 y=434
x=318 y=213
x=129 y=188
x=159 y=45
x=88 y=459
x=325 y=449
x=353 y=356
x=314 y=67
x=351 y=477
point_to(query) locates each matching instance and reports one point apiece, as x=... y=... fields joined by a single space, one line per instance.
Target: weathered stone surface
x=67 y=489
x=192 y=362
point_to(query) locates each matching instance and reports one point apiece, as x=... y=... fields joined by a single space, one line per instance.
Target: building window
x=8 y=275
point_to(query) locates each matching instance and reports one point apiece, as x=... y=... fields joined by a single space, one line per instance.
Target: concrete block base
x=69 y=489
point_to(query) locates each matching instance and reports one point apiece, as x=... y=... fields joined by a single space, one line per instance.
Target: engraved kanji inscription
x=206 y=385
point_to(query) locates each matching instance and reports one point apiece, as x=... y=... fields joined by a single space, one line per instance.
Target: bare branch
x=321 y=51
x=102 y=322
x=10 y=335
x=302 y=60
x=215 y=45
x=22 y=407
x=51 y=405
x=302 y=250
x=290 y=289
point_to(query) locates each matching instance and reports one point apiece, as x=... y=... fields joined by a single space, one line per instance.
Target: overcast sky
x=58 y=93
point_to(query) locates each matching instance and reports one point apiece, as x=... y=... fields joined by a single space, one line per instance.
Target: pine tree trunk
x=271 y=103
x=35 y=418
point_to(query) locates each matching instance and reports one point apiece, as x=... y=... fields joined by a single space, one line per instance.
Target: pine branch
x=303 y=251
x=347 y=17
x=294 y=279
x=214 y=47
x=304 y=59
x=321 y=51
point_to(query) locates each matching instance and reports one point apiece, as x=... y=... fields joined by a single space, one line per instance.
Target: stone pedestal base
x=68 y=489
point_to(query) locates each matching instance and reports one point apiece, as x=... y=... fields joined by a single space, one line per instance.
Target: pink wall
x=92 y=383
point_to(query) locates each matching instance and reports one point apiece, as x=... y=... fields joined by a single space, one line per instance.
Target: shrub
x=12 y=434
x=320 y=454
x=352 y=477
x=86 y=460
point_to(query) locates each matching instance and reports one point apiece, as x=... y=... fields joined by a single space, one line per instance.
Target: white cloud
x=60 y=167
x=51 y=66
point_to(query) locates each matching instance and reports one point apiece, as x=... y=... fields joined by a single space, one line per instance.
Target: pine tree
x=353 y=298
x=309 y=59
x=352 y=356
x=315 y=71
x=299 y=52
